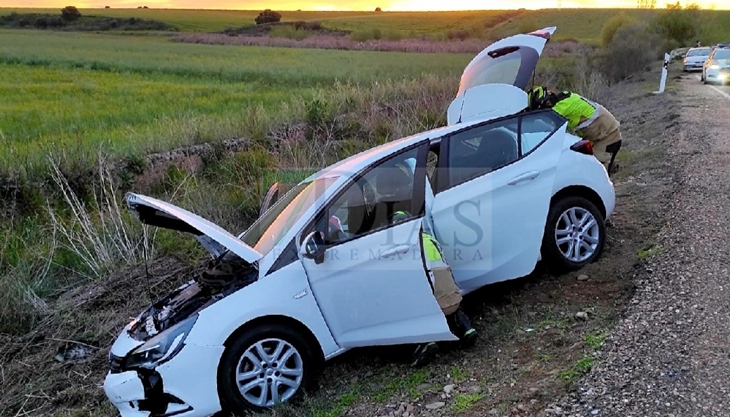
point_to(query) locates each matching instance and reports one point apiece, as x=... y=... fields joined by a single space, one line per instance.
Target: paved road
x=669 y=355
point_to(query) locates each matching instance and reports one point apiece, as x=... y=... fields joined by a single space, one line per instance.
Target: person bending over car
x=588 y=119
x=446 y=293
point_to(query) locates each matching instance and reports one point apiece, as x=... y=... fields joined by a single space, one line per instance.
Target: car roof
x=358 y=162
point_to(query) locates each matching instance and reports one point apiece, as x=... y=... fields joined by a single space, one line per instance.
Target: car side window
x=482 y=149
x=485 y=148
x=534 y=129
x=370 y=202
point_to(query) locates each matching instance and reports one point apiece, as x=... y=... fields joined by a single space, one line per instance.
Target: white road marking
x=726 y=95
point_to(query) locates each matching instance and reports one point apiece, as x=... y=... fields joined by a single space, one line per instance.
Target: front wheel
x=265 y=366
x=575 y=234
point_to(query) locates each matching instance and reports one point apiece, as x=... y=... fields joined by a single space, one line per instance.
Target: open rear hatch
x=493 y=84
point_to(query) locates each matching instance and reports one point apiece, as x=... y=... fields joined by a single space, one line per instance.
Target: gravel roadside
x=668 y=355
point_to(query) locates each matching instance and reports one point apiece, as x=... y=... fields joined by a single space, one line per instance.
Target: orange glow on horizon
x=351 y=5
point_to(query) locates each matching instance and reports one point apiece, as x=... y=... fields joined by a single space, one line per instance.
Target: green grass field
x=143 y=94
x=580 y=24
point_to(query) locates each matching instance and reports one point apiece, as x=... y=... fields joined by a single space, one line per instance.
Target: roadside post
x=663 y=81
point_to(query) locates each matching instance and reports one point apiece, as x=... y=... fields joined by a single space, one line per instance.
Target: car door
x=368 y=274
x=494 y=194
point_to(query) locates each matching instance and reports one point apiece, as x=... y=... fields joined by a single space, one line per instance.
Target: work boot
x=461 y=326
x=424 y=353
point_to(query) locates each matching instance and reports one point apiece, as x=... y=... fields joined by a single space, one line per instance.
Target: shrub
x=268 y=16
x=612 y=25
x=678 y=24
x=70 y=13
x=634 y=47
x=378 y=9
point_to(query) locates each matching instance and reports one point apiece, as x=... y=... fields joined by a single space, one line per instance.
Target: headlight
x=161 y=348
x=714 y=66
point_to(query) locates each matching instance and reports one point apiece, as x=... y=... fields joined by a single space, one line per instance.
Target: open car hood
x=214 y=238
x=493 y=84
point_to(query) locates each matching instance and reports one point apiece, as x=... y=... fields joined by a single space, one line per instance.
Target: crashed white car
x=325 y=269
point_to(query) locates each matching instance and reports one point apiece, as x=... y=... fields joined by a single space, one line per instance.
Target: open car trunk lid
x=493 y=84
x=214 y=238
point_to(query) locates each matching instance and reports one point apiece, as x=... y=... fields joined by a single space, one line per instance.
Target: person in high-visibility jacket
x=586 y=118
x=445 y=291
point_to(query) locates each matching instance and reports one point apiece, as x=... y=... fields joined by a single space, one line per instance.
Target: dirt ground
x=533 y=348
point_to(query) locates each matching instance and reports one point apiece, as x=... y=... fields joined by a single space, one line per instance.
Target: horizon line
x=353 y=10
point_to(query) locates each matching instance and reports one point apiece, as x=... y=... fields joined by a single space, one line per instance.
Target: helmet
x=399 y=216
x=537 y=97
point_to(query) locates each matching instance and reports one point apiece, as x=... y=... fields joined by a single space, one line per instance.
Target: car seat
x=497 y=149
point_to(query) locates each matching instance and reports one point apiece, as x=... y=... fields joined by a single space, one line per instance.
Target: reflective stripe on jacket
x=576 y=109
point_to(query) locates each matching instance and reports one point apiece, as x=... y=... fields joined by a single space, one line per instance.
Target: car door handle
x=396 y=250
x=524 y=177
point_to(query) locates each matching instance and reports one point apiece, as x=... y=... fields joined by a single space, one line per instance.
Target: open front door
x=368 y=274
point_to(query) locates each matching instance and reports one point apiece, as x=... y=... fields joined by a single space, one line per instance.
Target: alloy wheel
x=577 y=234
x=269 y=372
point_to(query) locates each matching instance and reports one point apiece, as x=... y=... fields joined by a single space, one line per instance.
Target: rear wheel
x=575 y=234
x=263 y=367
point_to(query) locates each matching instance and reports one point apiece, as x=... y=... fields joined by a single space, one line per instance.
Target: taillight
x=583 y=146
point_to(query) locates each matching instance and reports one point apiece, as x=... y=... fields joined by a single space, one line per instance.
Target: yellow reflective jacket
x=430 y=248
x=574 y=108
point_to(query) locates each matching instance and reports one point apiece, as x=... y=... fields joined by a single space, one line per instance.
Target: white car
x=695 y=58
x=717 y=67
x=324 y=270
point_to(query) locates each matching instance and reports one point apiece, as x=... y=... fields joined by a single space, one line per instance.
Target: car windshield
x=698 y=52
x=270 y=228
x=722 y=54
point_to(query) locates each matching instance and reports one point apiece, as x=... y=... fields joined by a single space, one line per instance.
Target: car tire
x=560 y=225
x=237 y=365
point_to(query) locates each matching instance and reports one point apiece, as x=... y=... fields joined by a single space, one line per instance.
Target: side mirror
x=313 y=246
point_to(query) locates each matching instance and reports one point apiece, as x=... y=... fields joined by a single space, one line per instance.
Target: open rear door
x=493 y=84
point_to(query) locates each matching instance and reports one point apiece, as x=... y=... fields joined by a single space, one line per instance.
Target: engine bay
x=223 y=277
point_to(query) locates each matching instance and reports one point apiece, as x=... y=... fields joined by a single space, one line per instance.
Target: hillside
x=581 y=24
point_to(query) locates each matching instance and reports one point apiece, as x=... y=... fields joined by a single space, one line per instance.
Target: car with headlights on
x=695 y=58
x=326 y=268
x=717 y=67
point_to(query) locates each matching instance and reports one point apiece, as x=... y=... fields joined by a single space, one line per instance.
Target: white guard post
x=663 y=81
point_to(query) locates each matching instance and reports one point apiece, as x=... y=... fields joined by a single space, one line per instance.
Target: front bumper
x=186 y=386
x=693 y=66
x=721 y=75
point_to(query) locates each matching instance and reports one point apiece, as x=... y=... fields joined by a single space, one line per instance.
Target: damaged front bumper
x=186 y=386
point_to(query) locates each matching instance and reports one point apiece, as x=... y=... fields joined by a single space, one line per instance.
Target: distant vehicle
x=695 y=58
x=326 y=269
x=717 y=67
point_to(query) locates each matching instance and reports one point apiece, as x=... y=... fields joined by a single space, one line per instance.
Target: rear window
x=511 y=65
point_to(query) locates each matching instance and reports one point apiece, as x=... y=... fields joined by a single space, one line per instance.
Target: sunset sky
x=393 y=5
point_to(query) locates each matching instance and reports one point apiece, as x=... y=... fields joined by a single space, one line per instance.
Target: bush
x=612 y=25
x=634 y=46
x=70 y=13
x=268 y=16
x=678 y=24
